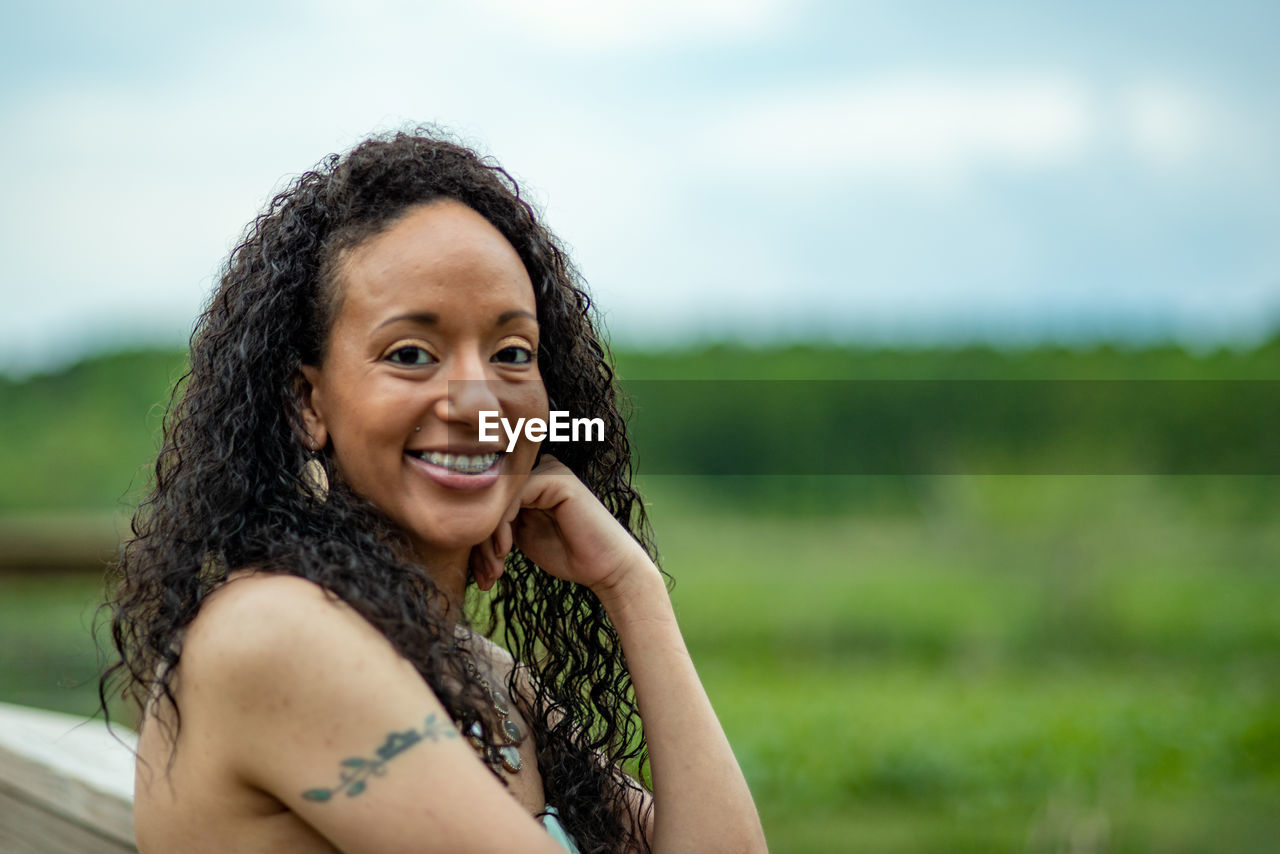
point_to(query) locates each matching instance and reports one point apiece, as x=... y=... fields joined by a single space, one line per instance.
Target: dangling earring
x=315 y=479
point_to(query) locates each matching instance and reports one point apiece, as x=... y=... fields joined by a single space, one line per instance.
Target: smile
x=461 y=463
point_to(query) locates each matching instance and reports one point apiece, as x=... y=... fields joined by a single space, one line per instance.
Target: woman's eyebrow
x=426 y=318
x=430 y=318
x=508 y=316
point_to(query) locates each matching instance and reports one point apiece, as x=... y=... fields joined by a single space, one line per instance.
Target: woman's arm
x=291 y=692
x=701 y=800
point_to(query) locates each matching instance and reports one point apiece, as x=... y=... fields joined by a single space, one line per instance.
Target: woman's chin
x=457 y=546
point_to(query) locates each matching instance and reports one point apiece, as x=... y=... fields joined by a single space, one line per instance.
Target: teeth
x=463 y=463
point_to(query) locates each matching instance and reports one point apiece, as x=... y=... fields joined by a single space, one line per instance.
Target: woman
x=292 y=610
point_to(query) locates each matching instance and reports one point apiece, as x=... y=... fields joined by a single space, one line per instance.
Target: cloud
x=594 y=26
x=1164 y=125
x=926 y=130
x=1182 y=132
x=946 y=135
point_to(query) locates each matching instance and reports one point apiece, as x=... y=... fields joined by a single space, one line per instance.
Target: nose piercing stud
x=417 y=429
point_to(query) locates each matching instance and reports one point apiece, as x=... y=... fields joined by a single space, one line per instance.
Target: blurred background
x=1016 y=649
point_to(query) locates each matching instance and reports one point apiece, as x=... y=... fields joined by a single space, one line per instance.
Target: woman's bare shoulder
x=247 y=592
x=266 y=604
x=263 y=634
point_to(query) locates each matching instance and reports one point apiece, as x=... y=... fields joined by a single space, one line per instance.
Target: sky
x=751 y=170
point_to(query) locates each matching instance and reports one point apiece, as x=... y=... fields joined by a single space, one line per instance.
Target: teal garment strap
x=551 y=821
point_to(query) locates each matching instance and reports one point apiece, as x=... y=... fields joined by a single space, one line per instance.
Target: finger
x=548 y=464
x=502 y=538
x=493 y=566
x=487 y=561
x=480 y=568
x=543 y=490
x=513 y=509
x=476 y=563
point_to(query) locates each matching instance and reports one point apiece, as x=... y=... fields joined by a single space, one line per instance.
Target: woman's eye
x=514 y=355
x=410 y=356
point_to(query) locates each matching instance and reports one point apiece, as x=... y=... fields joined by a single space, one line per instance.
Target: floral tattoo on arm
x=356 y=770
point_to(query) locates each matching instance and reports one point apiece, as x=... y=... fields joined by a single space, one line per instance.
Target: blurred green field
x=1044 y=664
x=993 y=664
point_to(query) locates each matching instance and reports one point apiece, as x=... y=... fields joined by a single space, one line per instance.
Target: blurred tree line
x=83 y=437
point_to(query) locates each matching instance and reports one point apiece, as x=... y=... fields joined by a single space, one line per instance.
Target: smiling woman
x=292 y=611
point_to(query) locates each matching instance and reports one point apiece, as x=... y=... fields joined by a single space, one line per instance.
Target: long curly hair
x=228 y=488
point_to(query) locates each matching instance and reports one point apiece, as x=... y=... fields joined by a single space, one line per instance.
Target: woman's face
x=436 y=322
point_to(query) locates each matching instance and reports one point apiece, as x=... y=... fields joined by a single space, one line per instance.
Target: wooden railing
x=66 y=784
x=44 y=544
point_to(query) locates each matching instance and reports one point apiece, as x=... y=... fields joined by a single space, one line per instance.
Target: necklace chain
x=505 y=756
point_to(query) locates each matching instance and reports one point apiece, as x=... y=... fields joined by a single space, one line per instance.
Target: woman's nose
x=468 y=392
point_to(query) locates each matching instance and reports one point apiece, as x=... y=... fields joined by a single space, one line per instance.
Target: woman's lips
x=463 y=472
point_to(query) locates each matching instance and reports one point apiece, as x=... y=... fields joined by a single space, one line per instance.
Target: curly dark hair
x=228 y=494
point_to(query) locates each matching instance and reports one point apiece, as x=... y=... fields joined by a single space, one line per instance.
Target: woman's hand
x=700 y=799
x=563 y=528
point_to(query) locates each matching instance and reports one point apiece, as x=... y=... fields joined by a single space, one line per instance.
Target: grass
x=1000 y=665
x=970 y=664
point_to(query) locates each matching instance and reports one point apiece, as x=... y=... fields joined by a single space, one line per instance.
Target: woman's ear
x=310 y=406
